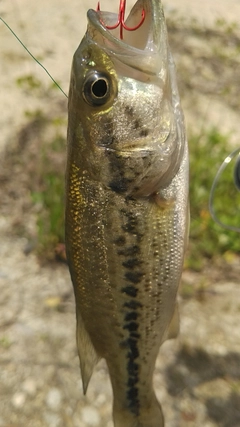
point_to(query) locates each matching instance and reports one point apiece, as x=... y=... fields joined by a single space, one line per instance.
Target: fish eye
x=96 y=88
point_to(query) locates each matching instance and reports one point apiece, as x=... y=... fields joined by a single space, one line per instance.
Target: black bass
x=126 y=204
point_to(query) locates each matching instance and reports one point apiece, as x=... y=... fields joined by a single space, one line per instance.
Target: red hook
x=121 y=18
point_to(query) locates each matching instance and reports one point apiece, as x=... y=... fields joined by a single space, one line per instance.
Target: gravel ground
x=197 y=376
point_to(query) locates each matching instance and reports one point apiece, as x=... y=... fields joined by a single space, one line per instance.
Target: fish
x=126 y=204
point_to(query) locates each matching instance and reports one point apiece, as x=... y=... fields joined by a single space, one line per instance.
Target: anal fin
x=87 y=353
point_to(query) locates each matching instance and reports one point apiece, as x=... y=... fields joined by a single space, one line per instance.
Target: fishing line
x=33 y=57
x=226 y=161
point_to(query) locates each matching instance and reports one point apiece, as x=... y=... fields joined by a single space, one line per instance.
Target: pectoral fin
x=87 y=354
x=173 y=329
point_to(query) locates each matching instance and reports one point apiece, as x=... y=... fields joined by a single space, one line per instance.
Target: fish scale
x=114 y=261
x=126 y=206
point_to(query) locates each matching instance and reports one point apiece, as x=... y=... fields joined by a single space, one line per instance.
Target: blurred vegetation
x=32 y=179
x=48 y=196
x=208 y=240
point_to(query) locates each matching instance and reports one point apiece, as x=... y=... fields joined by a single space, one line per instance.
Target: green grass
x=49 y=197
x=5 y=343
x=208 y=240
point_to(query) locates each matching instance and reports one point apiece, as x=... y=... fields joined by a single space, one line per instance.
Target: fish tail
x=149 y=416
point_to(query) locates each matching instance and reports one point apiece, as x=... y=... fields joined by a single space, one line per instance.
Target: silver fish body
x=126 y=205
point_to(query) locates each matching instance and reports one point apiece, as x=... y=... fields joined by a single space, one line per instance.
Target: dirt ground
x=197 y=377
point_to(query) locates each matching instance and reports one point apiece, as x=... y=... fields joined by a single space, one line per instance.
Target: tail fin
x=149 y=416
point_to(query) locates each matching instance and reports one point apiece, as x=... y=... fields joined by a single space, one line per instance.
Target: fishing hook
x=121 y=19
x=214 y=185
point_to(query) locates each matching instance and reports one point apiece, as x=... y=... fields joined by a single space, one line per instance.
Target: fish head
x=124 y=113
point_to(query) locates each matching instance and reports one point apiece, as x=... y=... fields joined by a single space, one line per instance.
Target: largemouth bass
x=126 y=204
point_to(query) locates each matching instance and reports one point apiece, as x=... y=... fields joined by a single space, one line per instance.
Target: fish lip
x=120 y=47
x=136 y=149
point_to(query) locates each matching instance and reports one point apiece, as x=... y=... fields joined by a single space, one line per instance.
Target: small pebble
x=90 y=416
x=52 y=420
x=100 y=400
x=54 y=399
x=29 y=386
x=3 y=276
x=18 y=400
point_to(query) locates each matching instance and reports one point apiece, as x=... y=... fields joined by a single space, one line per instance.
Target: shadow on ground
x=194 y=367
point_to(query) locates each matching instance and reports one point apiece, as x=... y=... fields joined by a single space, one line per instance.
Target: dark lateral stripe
x=129 y=111
x=133 y=376
x=129 y=251
x=132 y=344
x=133 y=305
x=133 y=315
x=120 y=184
x=135 y=335
x=132 y=263
x=134 y=276
x=134 y=404
x=132 y=367
x=132 y=326
x=130 y=227
x=120 y=241
x=130 y=290
x=132 y=382
x=144 y=132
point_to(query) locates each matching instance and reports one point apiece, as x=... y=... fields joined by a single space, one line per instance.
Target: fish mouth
x=138 y=48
